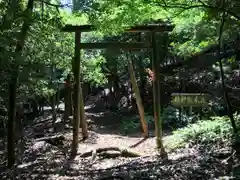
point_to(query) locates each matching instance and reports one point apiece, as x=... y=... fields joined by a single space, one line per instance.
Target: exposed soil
x=46 y=159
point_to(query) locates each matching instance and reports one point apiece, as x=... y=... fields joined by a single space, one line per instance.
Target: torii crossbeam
x=150 y=28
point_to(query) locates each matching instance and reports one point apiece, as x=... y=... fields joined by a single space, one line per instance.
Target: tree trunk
x=54 y=114
x=53 y=98
x=79 y=115
x=13 y=85
x=138 y=99
x=76 y=115
x=111 y=93
x=225 y=92
x=67 y=98
x=142 y=81
x=58 y=96
x=83 y=121
x=142 y=75
x=116 y=91
x=71 y=109
x=156 y=94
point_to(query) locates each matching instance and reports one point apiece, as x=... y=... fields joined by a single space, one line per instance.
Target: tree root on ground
x=110 y=152
x=53 y=140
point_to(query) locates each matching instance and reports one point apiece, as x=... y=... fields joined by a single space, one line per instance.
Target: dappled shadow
x=138 y=143
x=200 y=165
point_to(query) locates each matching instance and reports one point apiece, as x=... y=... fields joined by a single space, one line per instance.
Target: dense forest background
x=38 y=76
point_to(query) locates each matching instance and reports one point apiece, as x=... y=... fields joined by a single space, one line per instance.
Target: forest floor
x=46 y=159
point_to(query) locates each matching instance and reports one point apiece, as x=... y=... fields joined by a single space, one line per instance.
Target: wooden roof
x=156 y=27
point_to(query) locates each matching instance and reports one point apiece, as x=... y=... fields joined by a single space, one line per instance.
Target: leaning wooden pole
x=156 y=93
x=76 y=115
x=138 y=99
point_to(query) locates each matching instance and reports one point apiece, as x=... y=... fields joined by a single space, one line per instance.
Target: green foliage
x=204 y=131
x=131 y=125
x=170 y=119
x=93 y=72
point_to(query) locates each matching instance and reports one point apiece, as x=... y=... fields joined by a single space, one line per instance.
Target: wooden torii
x=156 y=59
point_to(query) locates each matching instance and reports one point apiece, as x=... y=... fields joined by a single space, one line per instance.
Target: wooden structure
x=150 y=28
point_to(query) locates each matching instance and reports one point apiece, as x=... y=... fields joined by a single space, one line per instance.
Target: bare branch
x=55 y=5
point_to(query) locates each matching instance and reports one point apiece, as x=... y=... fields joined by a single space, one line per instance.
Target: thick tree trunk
x=138 y=99
x=13 y=85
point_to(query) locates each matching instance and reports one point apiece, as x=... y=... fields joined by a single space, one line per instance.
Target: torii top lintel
x=160 y=27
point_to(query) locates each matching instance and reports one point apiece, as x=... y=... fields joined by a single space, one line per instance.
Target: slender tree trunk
x=142 y=75
x=138 y=99
x=78 y=99
x=76 y=115
x=67 y=99
x=116 y=90
x=71 y=108
x=13 y=85
x=111 y=93
x=54 y=114
x=58 y=96
x=225 y=93
x=142 y=81
x=53 y=99
x=83 y=120
x=156 y=94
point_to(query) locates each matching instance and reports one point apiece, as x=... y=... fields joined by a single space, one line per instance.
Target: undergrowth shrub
x=204 y=131
x=170 y=120
x=132 y=124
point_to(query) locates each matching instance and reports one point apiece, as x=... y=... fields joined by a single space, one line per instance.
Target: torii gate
x=150 y=28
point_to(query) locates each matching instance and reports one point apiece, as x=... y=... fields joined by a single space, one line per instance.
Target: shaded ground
x=43 y=160
x=48 y=160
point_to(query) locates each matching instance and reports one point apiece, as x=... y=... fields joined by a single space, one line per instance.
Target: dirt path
x=45 y=160
x=138 y=144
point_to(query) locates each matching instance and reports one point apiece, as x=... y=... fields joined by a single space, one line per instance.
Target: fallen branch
x=102 y=152
x=226 y=160
x=53 y=140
